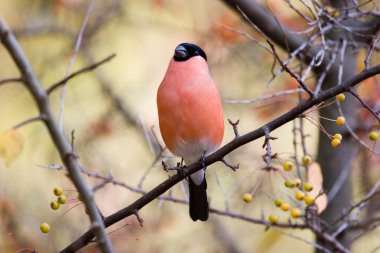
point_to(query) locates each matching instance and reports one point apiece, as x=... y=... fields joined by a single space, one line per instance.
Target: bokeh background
x=113 y=113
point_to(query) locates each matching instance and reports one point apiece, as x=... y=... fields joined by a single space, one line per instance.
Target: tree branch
x=268 y=24
x=79 y=72
x=10 y=80
x=63 y=146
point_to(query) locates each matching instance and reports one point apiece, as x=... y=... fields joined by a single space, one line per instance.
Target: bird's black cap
x=185 y=51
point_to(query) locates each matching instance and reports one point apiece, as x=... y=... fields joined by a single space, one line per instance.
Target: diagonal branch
x=79 y=72
x=365 y=105
x=280 y=34
x=27 y=121
x=286 y=68
x=226 y=149
x=63 y=146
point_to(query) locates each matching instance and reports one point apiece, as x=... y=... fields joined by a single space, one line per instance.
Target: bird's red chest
x=189 y=109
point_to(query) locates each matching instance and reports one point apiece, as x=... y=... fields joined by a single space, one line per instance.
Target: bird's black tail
x=198 y=204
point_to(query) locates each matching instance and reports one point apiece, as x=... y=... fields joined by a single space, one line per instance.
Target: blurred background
x=112 y=111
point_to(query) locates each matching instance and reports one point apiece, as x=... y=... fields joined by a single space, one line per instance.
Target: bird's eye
x=180 y=53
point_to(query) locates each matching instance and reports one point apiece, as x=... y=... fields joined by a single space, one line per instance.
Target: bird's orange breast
x=189 y=108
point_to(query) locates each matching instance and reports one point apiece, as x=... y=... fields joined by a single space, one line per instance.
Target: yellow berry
x=247 y=198
x=306 y=160
x=273 y=218
x=373 y=136
x=307 y=187
x=297 y=182
x=335 y=14
x=338 y=136
x=340 y=97
x=54 y=205
x=45 y=228
x=62 y=199
x=335 y=143
x=58 y=191
x=288 y=166
x=299 y=195
x=340 y=121
x=278 y=202
x=284 y=206
x=309 y=200
x=80 y=197
x=295 y=213
x=289 y=184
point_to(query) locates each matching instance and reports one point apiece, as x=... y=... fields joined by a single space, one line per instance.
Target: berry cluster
x=55 y=205
x=300 y=196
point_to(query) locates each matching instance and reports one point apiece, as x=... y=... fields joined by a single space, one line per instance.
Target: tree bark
x=336 y=163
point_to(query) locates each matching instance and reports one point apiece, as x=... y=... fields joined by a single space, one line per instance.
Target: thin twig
x=79 y=72
x=364 y=104
x=30 y=120
x=361 y=203
x=249 y=37
x=290 y=72
x=71 y=62
x=235 y=127
x=11 y=80
x=264 y=97
x=370 y=52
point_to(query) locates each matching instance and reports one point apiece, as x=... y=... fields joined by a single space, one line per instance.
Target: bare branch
x=365 y=105
x=79 y=72
x=291 y=73
x=42 y=100
x=71 y=62
x=370 y=52
x=249 y=37
x=11 y=80
x=281 y=35
x=264 y=97
x=360 y=205
x=30 y=120
x=235 y=127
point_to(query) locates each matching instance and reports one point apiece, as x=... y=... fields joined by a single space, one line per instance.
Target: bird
x=191 y=117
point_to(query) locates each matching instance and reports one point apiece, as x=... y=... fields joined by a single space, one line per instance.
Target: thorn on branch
x=235 y=127
x=139 y=219
x=72 y=140
x=268 y=156
x=233 y=167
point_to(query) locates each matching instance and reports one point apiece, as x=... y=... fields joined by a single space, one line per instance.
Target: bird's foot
x=201 y=160
x=180 y=168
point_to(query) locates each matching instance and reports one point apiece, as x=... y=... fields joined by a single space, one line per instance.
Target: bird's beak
x=180 y=51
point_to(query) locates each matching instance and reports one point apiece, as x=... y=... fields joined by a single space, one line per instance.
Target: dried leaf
x=11 y=143
x=315 y=178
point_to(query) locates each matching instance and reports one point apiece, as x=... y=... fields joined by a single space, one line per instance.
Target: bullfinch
x=191 y=117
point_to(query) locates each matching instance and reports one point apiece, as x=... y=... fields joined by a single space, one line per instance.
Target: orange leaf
x=11 y=142
x=314 y=175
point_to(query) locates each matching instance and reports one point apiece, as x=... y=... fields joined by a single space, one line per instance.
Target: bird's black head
x=185 y=51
